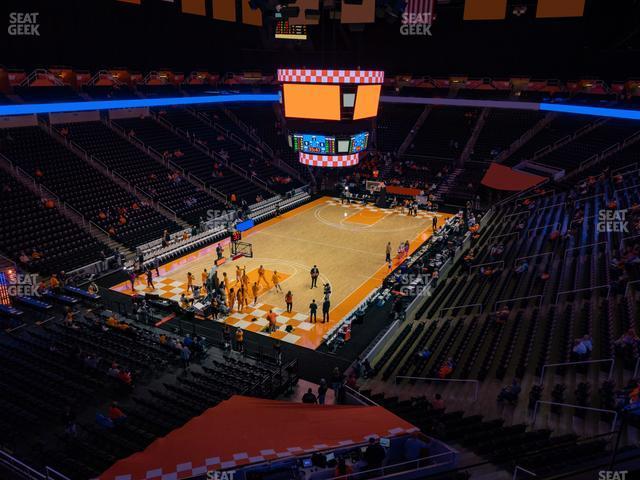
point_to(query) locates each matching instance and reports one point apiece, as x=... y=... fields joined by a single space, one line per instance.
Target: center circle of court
x=357 y=228
x=294 y=265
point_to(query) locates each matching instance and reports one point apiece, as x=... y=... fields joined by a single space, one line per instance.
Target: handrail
x=95 y=159
x=634 y=167
x=116 y=174
x=631 y=139
x=197 y=180
x=16 y=465
x=117 y=127
x=240 y=169
x=49 y=193
x=360 y=395
x=175 y=166
x=140 y=191
x=488 y=263
x=452 y=380
x=255 y=178
x=518 y=468
x=155 y=152
x=583 y=362
x=578 y=290
x=534 y=256
x=76 y=212
x=95 y=225
x=555 y=224
x=505 y=235
x=172 y=212
x=461 y=306
x=592 y=409
x=518 y=299
x=626 y=290
x=79 y=148
x=595 y=244
x=379 y=472
x=515 y=214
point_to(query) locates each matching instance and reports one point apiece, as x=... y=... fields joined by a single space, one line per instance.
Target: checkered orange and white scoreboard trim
x=375 y=77
x=329 y=160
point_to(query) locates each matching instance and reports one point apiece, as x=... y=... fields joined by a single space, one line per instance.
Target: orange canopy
x=505 y=178
x=244 y=430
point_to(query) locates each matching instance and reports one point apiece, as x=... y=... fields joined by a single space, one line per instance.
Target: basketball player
x=255 y=288
x=189 y=281
x=435 y=224
x=388 y=253
x=245 y=279
x=204 y=276
x=276 y=281
x=261 y=276
x=243 y=298
x=225 y=280
x=231 y=299
x=238 y=274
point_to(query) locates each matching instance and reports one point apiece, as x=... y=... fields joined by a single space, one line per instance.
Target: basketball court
x=346 y=242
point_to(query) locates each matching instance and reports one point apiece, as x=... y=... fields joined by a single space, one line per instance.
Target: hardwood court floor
x=346 y=242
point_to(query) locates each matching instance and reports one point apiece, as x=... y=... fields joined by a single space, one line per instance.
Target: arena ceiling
x=95 y=34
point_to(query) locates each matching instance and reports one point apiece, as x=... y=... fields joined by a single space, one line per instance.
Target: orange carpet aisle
x=245 y=430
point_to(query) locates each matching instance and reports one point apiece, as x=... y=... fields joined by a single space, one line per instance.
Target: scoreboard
x=338 y=104
x=359 y=142
x=309 y=143
x=286 y=31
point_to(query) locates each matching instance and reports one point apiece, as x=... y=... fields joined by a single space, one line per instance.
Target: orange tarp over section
x=244 y=430
x=505 y=178
x=396 y=190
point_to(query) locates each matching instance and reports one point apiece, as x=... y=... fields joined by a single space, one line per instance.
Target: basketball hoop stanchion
x=241 y=249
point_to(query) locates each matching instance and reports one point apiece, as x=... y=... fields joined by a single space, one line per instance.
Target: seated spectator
x=627 y=341
x=125 y=376
x=446 y=368
x=116 y=415
x=522 y=268
x=24 y=258
x=579 y=351
x=496 y=250
x=510 y=393
x=437 y=404
x=502 y=315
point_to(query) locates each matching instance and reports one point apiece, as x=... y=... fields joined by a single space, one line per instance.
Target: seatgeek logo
x=416 y=24
x=613 y=221
x=24 y=285
x=23 y=24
